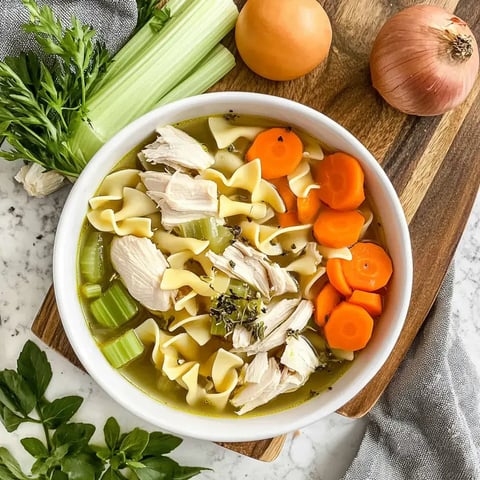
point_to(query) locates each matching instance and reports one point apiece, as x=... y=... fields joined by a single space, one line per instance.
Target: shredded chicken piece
x=252 y=395
x=241 y=337
x=37 y=181
x=176 y=149
x=249 y=265
x=278 y=336
x=257 y=367
x=299 y=356
x=141 y=266
x=180 y=197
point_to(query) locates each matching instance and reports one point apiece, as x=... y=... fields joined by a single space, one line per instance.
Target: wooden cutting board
x=433 y=163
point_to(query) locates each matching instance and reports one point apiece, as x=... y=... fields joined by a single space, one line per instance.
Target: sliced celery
x=239 y=288
x=123 y=349
x=155 y=69
x=218 y=329
x=92 y=265
x=219 y=237
x=115 y=307
x=206 y=74
x=91 y=290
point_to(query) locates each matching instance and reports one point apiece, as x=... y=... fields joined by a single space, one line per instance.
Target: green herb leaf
x=161 y=468
x=160 y=443
x=10 y=420
x=111 y=431
x=111 y=474
x=183 y=473
x=58 y=475
x=60 y=411
x=7 y=460
x=34 y=367
x=34 y=447
x=134 y=443
x=17 y=390
x=77 y=435
x=82 y=466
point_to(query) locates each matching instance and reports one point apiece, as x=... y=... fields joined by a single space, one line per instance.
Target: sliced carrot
x=325 y=302
x=279 y=149
x=371 y=302
x=341 y=180
x=370 y=267
x=338 y=229
x=288 y=219
x=288 y=197
x=349 y=327
x=336 y=276
x=309 y=206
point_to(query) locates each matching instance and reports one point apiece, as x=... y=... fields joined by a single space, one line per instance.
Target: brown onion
x=424 y=60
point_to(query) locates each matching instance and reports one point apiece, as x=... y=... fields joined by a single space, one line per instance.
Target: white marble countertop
x=321 y=451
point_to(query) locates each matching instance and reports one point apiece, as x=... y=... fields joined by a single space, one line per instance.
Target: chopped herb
x=293 y=246
x=231 y=263
x=280 y=139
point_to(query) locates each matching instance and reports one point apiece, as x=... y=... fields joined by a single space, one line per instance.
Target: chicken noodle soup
x=218 y=270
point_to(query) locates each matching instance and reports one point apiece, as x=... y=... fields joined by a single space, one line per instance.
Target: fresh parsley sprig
x=149 y=11
x=66 y=452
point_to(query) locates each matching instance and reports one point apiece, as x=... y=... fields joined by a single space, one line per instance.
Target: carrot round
x=341 y=180
x=370 y=267
x=336 y=276
x=349 y=327
x=288 y=197
x=338 y=229
x=325 y=302
x=371 y=302
x=309 y=206
x=279 y=149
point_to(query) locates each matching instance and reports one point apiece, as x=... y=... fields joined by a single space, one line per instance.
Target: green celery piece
x=92 y=266
x=206 y=74
x=207 y=229
x=219 y=329
x=239 y=288
x=156 y=69
x=91 y=290
x=115 y=307
x=123 y=349
x=142 y=40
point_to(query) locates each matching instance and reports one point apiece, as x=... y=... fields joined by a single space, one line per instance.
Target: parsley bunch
x=66 y=452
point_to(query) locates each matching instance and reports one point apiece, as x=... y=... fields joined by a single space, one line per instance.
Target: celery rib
x=123 y=349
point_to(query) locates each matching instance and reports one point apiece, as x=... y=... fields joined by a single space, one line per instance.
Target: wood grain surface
x=433 y=163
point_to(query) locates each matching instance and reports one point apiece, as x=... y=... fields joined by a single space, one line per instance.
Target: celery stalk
x=115 y=307
x=123 y=349
x=182 y=44
x=206 y=74
x=141 y=41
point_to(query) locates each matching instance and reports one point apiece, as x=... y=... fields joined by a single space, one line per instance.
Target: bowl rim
x=131 y=397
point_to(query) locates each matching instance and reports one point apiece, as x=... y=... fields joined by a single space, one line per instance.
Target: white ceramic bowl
x=364 y=367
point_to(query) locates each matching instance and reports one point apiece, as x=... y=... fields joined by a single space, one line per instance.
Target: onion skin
x=424 y=61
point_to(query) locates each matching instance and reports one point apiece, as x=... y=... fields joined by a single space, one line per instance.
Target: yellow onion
x=424 y=60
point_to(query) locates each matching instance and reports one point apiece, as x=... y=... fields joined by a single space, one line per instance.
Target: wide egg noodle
x=122 y=209
x=225 y=133
x=307 y=262
x=112 y=186
x=248 y=177
x=104 y=221
x=312 y=150
x=167 y=242
x=329 y=252
x=230 y=208
x=301 y=180
x=221 y=368
x=276 y=240
x=197 y=326
x=227 y=162
x=309 y=284
x=368 y=215
x=150 y=333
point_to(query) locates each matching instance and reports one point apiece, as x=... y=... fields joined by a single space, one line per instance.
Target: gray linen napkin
x=426 y=425
x=112 y=19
